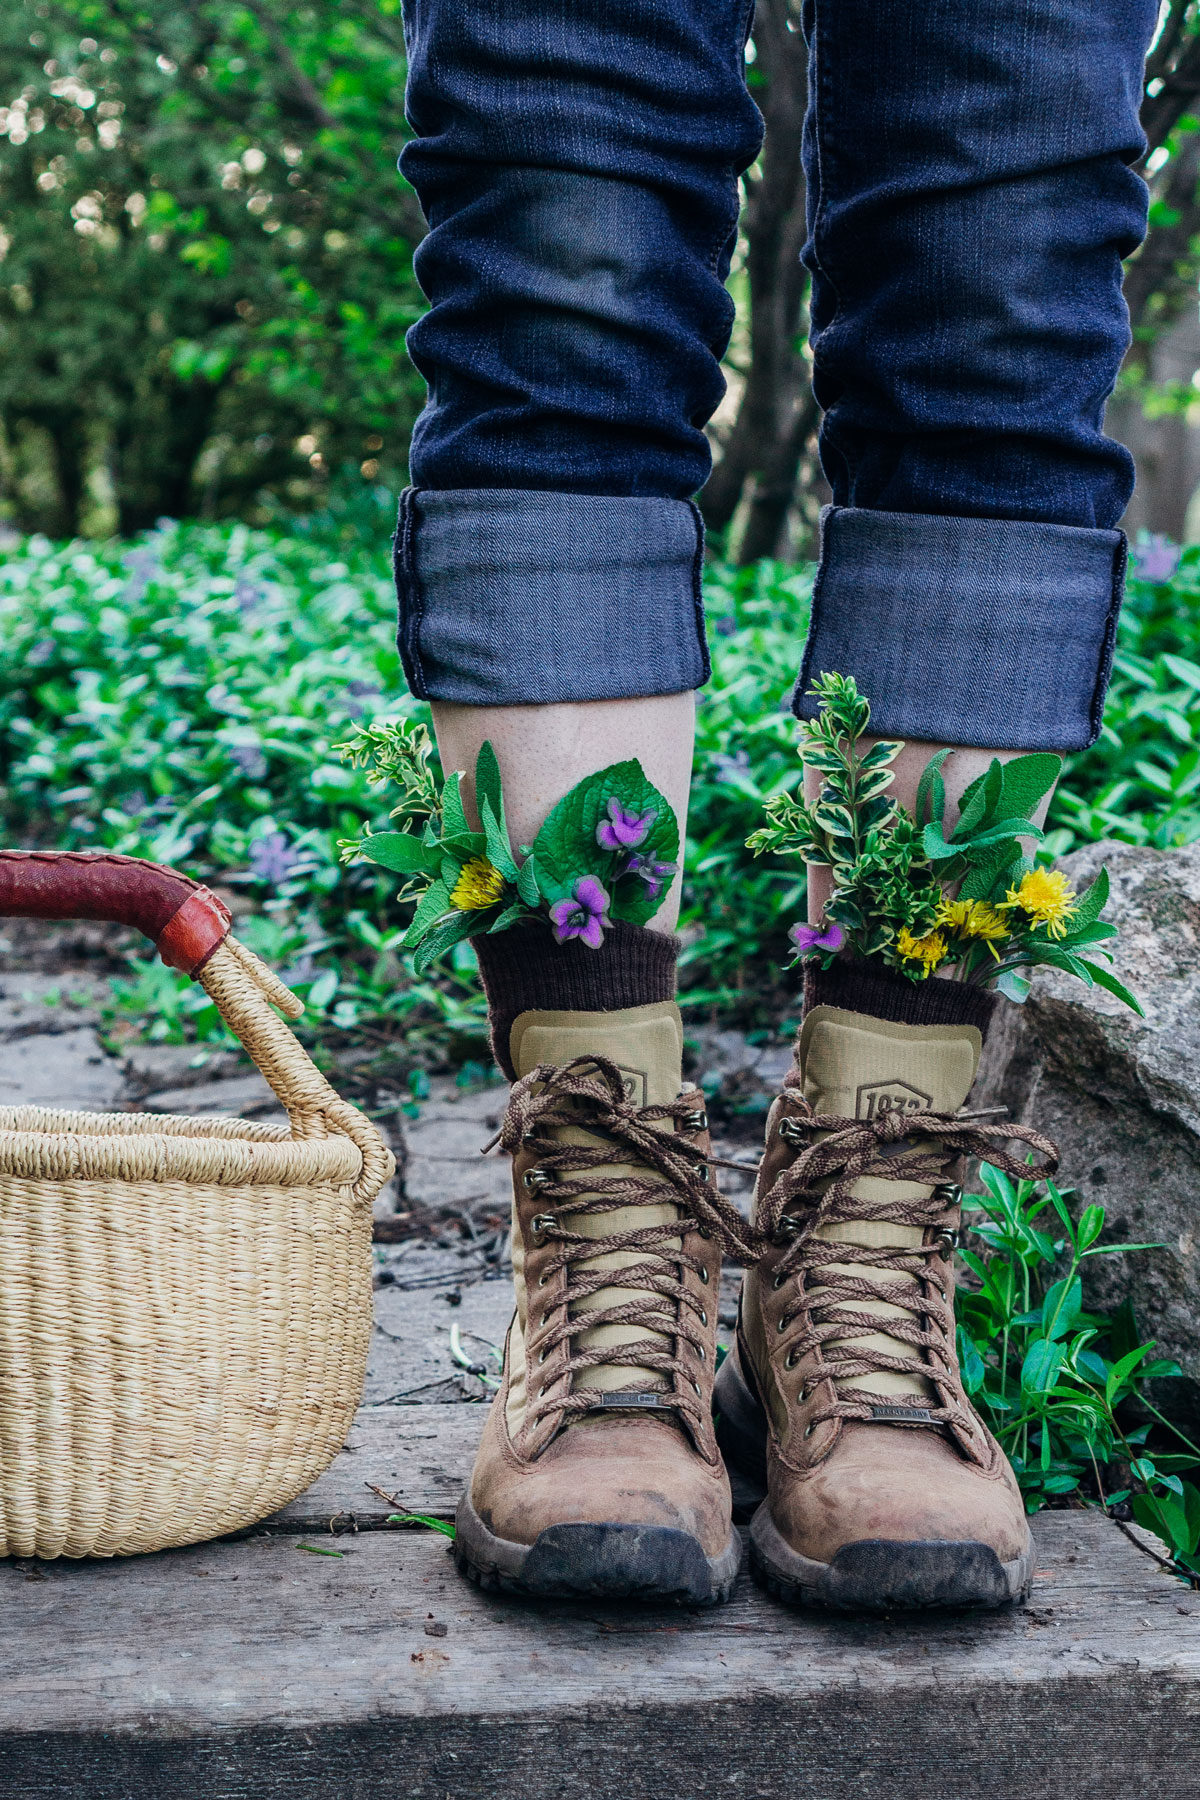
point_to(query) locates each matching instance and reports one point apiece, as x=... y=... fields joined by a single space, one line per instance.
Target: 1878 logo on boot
x=875 y=1098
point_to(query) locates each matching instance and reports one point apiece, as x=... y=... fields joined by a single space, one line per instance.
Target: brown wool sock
x=525 y=970
x=881 y=994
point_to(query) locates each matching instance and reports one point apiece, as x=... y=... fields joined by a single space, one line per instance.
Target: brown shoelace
x=589 y=1093
x=911 y=1148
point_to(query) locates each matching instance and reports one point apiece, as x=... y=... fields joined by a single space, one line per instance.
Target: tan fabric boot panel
x=646 y=1043
x=857 y=1067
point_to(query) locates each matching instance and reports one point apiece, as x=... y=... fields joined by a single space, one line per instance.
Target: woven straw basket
x=184 y=1303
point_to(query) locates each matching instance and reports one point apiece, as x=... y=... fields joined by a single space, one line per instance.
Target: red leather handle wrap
x=181 y=917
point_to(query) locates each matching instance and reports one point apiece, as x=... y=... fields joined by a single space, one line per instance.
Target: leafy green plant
x=904 y=891
x=604 y=852
x=1055 y=1382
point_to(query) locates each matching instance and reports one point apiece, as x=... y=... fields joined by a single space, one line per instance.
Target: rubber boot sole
x=875 y=1575
x=597 y=1562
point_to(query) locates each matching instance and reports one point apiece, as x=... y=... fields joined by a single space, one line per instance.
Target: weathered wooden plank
x=421 y=1454
x=255 y=1668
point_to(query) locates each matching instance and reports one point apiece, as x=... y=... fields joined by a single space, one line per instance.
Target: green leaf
x=1014 y=986
x=445 y=935
x=834 y=818
x=433 y=905
x=498 y=850
x=487 y=780
x=527 y=882
x=454 y=819
x=930 y=808
x=566 y=846
x=884 y=752
x=1039 y=1371
x=980 y=798
x=430 y=1524
x=1061 y=1308
x=1091 y=903
x=1121 y=1371
x=1091 y=1224
x=970 y=1362
x=510 y=916
x=1106 y=979
x=401 y=852
x=1025 y=780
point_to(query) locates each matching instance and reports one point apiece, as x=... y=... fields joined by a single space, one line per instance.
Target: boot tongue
x=859 y=1067
x=646 y=1044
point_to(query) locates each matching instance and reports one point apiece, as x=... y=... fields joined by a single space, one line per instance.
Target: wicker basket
x=185 y=1303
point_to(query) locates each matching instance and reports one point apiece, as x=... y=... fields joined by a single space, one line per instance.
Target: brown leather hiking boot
x=599 y=1472
x=884 y=1487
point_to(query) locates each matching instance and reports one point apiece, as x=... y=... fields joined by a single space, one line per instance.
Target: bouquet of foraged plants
x=607 y=852
x=918 y=899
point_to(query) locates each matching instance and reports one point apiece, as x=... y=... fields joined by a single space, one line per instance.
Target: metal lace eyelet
x=782 y=1326
x=792 y=1131
x=543 y=1278
x=703 y=1231
x=703 y=1316
x=540 y=1224
x=697 y=1387
x=701 y=1353
x=543 y=1354
x=792 y=1358
x=702 y=1171
x=696 y=1121
x=537 y=1177
x=948 y=1192
x=788 y=1228
x=946 y=1242
x=808 y=1430
x=704 y=1276
x=779 y=1281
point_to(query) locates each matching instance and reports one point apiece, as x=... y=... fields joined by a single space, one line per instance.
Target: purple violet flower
x=623 y=830
x=653 y=873
x=809 y=939
x=585 y=916
x=273 y=860
x=1155 y=557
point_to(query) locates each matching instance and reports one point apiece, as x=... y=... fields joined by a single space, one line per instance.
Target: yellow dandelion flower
x=972 y=919
x=1046 y=897
x=929 y=950
x=479 y=885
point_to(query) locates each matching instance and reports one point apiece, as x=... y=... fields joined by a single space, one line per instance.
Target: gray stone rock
x=1121 y=1095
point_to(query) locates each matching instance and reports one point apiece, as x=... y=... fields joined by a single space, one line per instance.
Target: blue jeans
x=970 y=200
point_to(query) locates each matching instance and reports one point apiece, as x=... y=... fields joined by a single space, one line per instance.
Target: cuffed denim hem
x=991 y=632
x=515 y=598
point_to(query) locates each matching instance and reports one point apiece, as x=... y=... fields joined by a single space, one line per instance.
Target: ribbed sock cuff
x=525 y=970
x=881 y=995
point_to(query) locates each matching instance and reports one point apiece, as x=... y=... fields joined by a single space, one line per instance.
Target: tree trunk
x=775 y=415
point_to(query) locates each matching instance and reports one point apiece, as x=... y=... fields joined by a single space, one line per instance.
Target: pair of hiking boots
x=603 y=1471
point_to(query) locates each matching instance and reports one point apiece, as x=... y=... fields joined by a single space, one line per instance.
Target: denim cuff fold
x=990 y=632
x=516 y=598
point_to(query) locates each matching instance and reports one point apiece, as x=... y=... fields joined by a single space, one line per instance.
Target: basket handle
x=190 y=928
x=183 y=919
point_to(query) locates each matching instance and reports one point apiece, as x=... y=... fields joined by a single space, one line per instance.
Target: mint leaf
x=401 y=852
x=566 y=847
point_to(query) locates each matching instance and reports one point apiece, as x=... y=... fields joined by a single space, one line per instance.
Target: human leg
x=577 y=164
x=971 y=199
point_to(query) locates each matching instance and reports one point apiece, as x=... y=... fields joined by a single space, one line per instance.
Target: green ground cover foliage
x=180 y=696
